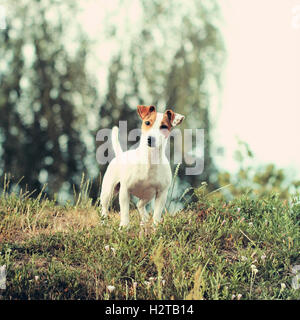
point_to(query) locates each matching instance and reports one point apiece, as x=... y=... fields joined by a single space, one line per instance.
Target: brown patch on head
x=174 y=118
x=166 y=123
x=148 y=115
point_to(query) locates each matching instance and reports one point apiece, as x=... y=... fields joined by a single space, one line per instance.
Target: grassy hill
x=213 y=249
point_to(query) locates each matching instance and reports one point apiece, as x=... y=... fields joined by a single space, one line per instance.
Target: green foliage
x=259 y=181
x=49 y=110
x=45 y=96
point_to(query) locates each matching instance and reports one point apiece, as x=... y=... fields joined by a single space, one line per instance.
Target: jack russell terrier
x=143 y=172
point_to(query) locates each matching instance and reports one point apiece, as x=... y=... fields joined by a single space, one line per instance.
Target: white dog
x=143 y=172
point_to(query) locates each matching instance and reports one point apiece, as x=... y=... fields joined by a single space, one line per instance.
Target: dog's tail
x=115 y=141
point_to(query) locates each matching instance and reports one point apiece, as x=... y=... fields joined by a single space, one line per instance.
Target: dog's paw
x=156 y=224
x=145 y=230
x=103 y=221
x=124 y=227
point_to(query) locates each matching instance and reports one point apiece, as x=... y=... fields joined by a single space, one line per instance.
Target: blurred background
x=70 y=68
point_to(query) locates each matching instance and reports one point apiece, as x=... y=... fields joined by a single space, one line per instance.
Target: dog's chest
x=147 y=181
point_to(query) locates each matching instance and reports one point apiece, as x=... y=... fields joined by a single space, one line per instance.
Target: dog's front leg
x=160 y=202
x=124 y=199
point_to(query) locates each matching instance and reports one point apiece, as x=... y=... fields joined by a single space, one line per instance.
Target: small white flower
x=233 y=297
x=106 y=248
x=243 y=258
x=111 y=288
x=36 y=278
x=283 y=286
x=152 y=279
x=238 y=210
x=254 y=269
x=250 y=224
x=135 y=284
x=239 y=296
x=163 y=282
x=114 y=251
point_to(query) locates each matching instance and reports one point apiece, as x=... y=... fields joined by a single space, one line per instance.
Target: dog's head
x=156 y=126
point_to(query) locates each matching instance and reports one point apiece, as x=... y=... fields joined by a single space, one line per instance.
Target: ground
x=213 y=249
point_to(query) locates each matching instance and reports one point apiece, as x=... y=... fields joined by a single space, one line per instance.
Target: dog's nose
x=151 y=141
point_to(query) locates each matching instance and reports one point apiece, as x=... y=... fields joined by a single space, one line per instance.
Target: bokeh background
x=70 y=68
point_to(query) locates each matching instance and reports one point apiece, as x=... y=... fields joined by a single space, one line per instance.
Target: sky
x=261 y=83
x=260 y=101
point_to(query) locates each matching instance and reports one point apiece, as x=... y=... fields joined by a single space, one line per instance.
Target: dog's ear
x=174 y=118
x=143 y=111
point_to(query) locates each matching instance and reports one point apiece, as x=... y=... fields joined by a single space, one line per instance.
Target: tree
x=169 y=54
x=45 y=95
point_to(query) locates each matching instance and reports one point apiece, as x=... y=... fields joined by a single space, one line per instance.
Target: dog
x=144 y=172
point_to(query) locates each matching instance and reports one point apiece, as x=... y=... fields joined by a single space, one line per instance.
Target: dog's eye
x=163 y=126
x=147 y=123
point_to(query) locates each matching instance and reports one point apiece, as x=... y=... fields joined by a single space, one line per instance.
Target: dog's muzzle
x=151 y=141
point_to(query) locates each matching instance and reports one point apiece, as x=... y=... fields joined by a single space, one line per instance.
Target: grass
x=213 y=249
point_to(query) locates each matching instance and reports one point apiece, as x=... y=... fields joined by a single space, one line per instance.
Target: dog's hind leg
x=124 y=198
x=141 y=205
x=106 y=197
x=110 y=186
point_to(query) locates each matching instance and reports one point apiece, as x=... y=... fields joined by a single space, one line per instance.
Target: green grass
x=213 y=249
